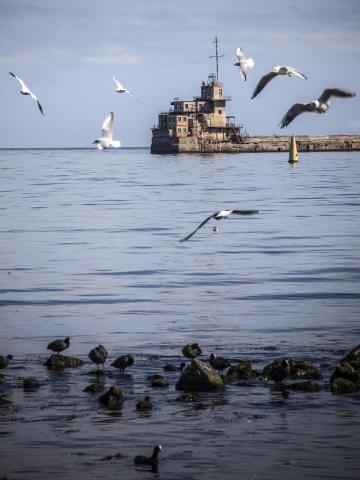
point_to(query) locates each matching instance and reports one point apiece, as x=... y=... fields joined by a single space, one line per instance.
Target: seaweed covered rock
x=96 y=387
x=307 y=386
x=113 y=397
x=59 y=362
x=158 y=381
x=30 y=383
x=346 y=376
x=298 y=369
x=242 y=370
x=199 y=377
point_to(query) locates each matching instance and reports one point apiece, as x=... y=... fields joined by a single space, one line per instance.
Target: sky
x=67 y=52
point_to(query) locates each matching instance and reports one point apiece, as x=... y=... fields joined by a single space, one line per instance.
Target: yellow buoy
x=293 y=154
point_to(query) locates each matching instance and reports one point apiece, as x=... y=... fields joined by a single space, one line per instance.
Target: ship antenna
x=216 y=56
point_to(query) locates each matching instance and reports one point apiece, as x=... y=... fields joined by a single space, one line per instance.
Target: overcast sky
x=68 y=50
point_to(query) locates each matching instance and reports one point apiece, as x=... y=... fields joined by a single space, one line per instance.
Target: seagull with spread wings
x=244 y=63
x=321 y=105
x=219 y=216
x=26 y=91
x=106 y=140
x=120 y=87
x=278 y=70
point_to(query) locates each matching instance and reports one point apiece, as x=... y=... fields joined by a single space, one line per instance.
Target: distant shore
x=258 y=143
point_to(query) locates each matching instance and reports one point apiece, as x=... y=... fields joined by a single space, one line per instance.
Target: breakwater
x=256 y=144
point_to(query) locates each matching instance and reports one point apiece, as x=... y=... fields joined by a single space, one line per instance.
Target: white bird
x=26 y=91
x=321 y=105
x=244 y=63
x=106 y=140
x=278 y=70
x=120 y=87
x=219 y=216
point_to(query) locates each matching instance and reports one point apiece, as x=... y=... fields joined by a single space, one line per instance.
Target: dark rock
x=159 y=381
x=59 y=362
x=30 y=383
x=96 y=387
x=4 y=361
x=346 y=376
x=342 y=385
x=144 y=405
x=188 y=397
x=199 y=377
x=308 y=386
x=298 y=369
x=4 y=401
x=117 y=456
x=242 y=370
x=113 y=397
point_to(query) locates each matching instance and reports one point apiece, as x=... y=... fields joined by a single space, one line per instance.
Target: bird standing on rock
x=153 y=460
x=59 y=345
x=4 y=361
x=219 y=363
x=191 y=350
x=278 y=374
x=98 y=355
x=123 y=362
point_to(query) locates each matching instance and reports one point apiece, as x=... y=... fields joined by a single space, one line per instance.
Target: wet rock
x=59 y=362
x=342 y=385
x=30 y=383
x=199 y=377
x=101 y=373
x=4 y=401
x=242 y=370
x=188 y=397
x=113 y=397
x=144 y=405
x=298 y=369
x=308 y=386
x=159 y=381
x=346 y=376
x=96 y=387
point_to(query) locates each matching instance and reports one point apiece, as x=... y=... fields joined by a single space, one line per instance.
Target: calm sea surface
x=89 y=248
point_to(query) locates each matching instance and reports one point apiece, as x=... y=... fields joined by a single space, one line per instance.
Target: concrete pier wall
x=256 y=144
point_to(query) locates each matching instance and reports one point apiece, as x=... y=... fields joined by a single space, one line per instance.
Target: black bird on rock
x=169 y=367
x=219 y=363
x=123 y=362
x=98 y=355
x=59 y=345
x=4 y=361
x=278 y=374
x=153 y=460
x=191 y=350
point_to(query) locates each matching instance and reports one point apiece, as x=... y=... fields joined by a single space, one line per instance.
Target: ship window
x=184 y=129
x=220 y=92
x=186 y=105
x=220 y=111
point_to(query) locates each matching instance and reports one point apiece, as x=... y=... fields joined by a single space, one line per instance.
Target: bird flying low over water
x=26 y=91
x=219 y=216
x=244 y=63
x=278 y=70
x=120 y=87
x=106 y=140
x=321 y=105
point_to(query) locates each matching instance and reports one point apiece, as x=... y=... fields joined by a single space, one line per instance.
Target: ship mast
x=216 y=56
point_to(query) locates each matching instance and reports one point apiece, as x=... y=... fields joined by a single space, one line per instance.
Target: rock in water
x=298 y=369
x=242 y=370
x=30 y=383
x=59 y=362
x=199 y=377
x=113 y=397
x=346 y=376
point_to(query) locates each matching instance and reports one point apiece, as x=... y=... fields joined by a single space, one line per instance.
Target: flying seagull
x=244 y=63
x=120 y=87
x=26 y=91
x=219 y=216
x=106 y=140
x=278 y=70
x=320 y=105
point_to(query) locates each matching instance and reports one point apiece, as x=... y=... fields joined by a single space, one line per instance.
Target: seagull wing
x=243 y=62
x=335 y=92
x=296 y=72
x=294 y=111
x=244 y=212
x=107 y=126
x=118 y=84
x=23 y=85
x=263 y=82
x=196 y=229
